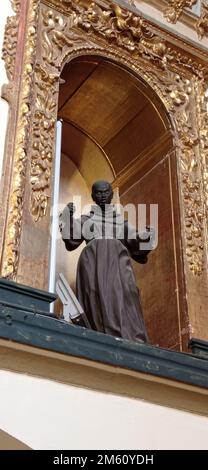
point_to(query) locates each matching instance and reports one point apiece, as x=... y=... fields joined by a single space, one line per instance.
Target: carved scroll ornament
x=12 y=240
x=202 y=23
x=176 y=8
x=10 y=40
x=203 y=134
x=179 y=97
x=42 y=143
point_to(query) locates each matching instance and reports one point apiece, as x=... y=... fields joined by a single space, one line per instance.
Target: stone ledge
x=34 y=327
x=35 y=300
x=51 y=334
x=199 y=347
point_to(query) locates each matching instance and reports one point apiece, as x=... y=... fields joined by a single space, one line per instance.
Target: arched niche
x=116 y=128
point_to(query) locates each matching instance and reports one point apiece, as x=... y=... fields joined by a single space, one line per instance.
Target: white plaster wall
x=48 y=415
x=6 y=10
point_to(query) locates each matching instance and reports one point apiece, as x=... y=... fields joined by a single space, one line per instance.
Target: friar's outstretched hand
x=144 y=235
x=69 y=207
x=147 y=236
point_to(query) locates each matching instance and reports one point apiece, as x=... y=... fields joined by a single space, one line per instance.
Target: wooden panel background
x=157 y=280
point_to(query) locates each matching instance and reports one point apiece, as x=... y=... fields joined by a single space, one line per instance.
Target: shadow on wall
x=8 y=442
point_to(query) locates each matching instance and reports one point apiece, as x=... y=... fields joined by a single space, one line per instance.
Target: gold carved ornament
x=192 y=189
x=176 y=8
x=202 y=23
x=10 y=40
x=62 y=36
x=57 y=36
x=42 y=141
x=179 y=93
x=202 y=108
x=126 y=30
x=12 y=239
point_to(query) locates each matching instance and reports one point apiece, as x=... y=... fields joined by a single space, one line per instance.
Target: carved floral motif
x=10 y=40
x=126 y=30
x=202 y=23
x=176 y=7
x=12 y=241
x=16 y=5
x=58 y=36
x=203 y=134
x=42 y=143
x=178 y=94
x=191 y=183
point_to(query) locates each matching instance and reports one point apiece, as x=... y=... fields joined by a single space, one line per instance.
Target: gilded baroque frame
x=55 y=31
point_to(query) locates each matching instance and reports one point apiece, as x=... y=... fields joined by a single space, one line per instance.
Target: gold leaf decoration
x=202 y=23
x=176 y=7
x=12 y=241
x=10 y=40
x=44 y=119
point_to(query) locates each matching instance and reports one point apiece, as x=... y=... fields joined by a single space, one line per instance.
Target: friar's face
x=102 y=193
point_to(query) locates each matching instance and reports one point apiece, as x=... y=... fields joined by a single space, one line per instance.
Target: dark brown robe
x=105 y=285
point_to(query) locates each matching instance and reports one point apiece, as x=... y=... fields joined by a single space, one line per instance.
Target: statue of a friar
x=105 y=284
